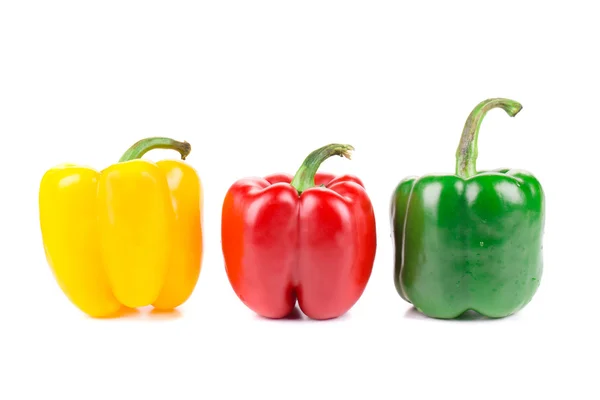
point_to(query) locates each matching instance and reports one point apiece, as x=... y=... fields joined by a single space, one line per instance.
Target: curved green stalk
x=145 y=145
x=466 y=154
x=305 y=176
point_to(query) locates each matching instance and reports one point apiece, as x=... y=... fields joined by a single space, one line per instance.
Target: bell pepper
x=127 y=236
x=308 y=238
x=472 y=240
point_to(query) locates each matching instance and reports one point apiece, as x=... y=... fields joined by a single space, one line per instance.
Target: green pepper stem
x=305 y=176
x=145 y=145
x=466 y=154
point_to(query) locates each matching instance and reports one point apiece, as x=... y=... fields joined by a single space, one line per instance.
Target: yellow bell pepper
x=127 y=236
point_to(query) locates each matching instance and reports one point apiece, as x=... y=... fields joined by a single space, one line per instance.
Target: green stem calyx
x=145 y=145
x=305 y=176
x=466 y=154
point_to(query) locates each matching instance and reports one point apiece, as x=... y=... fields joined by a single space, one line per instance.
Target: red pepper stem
x=145 y=145
x=305 y=176
x=466 y=154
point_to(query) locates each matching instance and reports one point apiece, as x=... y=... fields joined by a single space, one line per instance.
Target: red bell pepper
x=309 y=238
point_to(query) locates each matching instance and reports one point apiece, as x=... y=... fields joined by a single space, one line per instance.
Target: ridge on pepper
x=472 y=240
x=308 y=238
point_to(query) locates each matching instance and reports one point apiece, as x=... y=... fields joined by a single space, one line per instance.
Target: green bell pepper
x=469 y=241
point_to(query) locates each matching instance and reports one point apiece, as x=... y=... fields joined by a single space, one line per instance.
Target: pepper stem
x=466 y=154
x=145 y=145
x=305 y=176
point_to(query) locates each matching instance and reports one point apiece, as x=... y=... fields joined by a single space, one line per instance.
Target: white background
x=255 y=86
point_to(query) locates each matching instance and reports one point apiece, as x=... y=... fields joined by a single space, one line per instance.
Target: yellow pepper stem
x=143 y=146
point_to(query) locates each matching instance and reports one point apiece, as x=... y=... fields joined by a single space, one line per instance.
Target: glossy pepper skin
x=309 y=238
x=469 y=241
x=127 y=236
